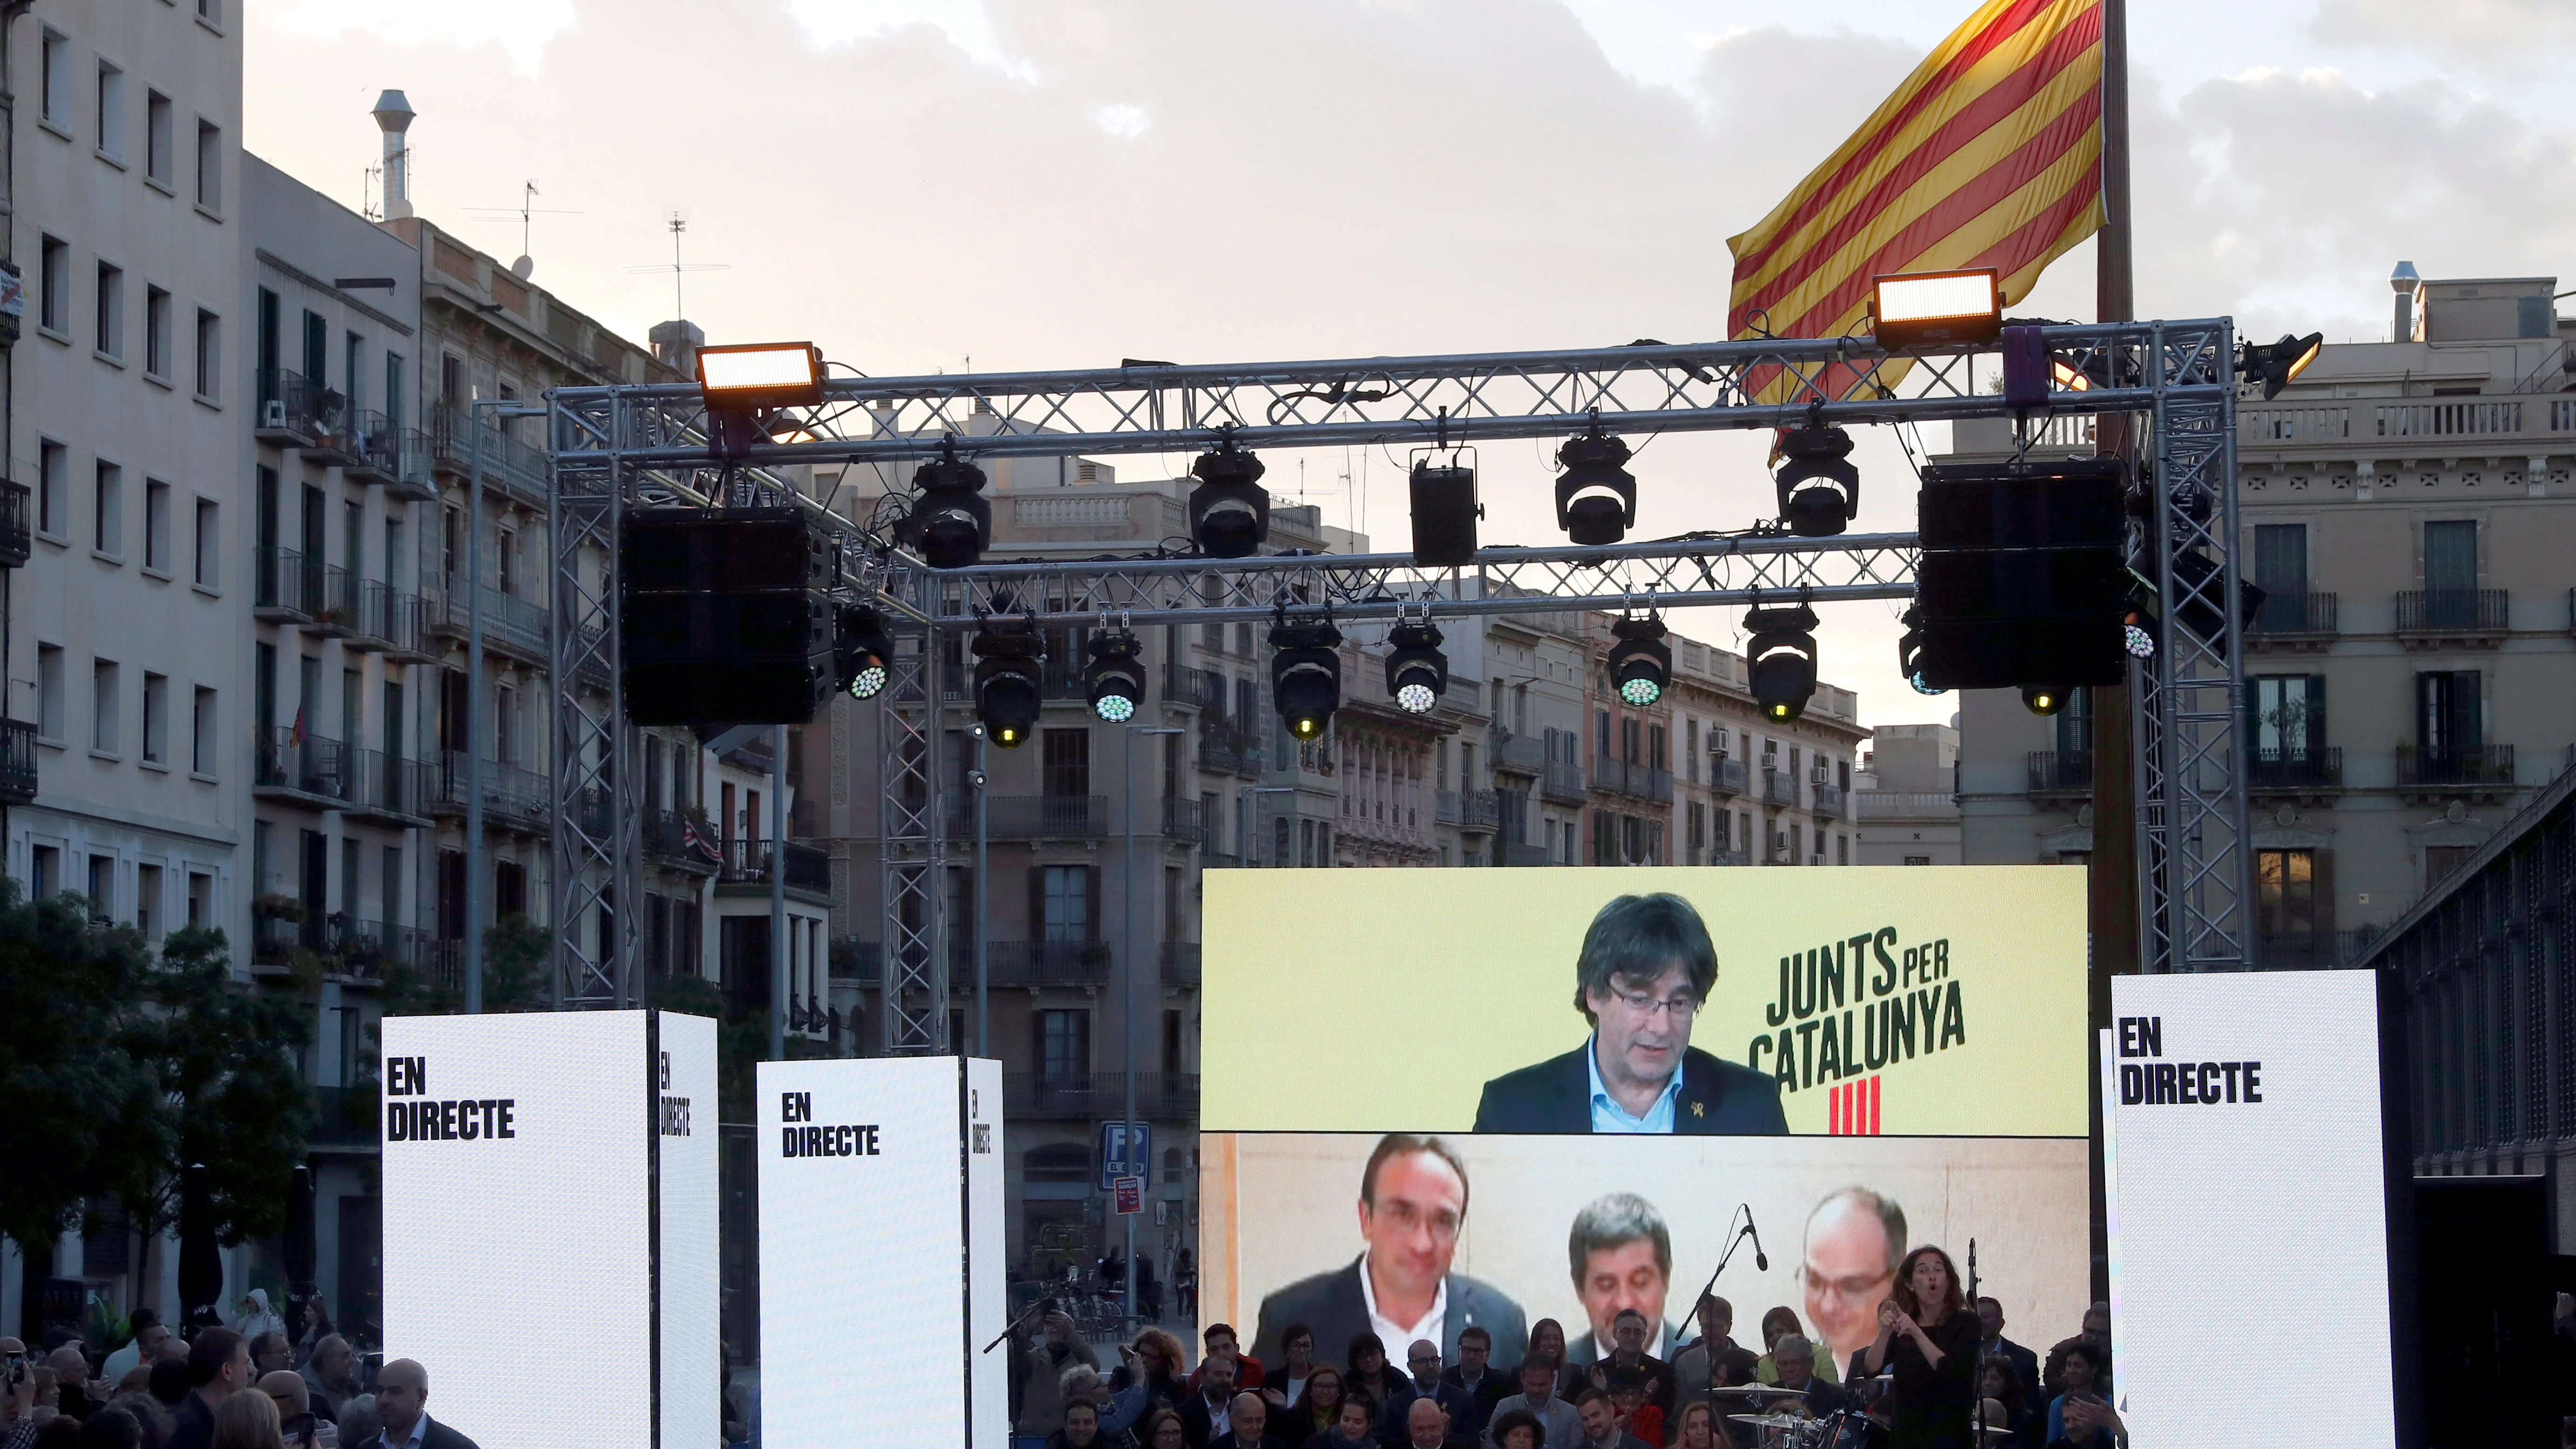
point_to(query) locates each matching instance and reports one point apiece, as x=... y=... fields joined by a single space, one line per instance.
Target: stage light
x=1640 y=663
x=1937 y=309
x=1007 y=696
x=1781 y=658
x=1229 y=510
x=2138 y=634
x=2043 y=699
x=1909 y=653
x=1819 y=488
x=951 y=520
x=1417 y=673
x=1444 y=515
x=1116 y=677
x=864 y=651
x=1596 y=499
x=747 y=377
x=1306 y=674
x=2279 y=364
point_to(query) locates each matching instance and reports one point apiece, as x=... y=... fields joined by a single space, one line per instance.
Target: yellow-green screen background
x=1383 y=1000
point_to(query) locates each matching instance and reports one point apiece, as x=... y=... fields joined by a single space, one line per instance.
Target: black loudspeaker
x=2022 y=580
x=736 y=550
x=726 y=692
x=1444 y=516
x=724 y=615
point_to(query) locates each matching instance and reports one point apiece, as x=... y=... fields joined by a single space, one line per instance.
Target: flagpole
x=2113 y=878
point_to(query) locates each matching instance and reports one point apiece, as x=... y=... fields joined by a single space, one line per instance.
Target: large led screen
x=1853 y=1001
x=1521 y=1229
x=2248 y=1194
x=880 y=1181
x=522 y=1155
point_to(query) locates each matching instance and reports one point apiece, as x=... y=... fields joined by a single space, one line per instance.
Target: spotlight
x=2279 y=364
x=1937 y=309
x=1306 y=674
x=2043 y=699
x=951 y=521
x=746 y=377
x=1116 y=677
x=1909 y=653
x=2138 y=634
x=1782 y=659
x=1417 y=673
x=1596 y=500
x=1819 y=488
x=1006 y=682
x=1641 y=663
x=1229 y=510
x=863 y=651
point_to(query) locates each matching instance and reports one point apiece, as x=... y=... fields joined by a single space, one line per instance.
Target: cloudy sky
x=938 y=184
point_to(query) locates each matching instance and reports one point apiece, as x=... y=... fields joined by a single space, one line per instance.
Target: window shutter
x=1037 y=903
x=1091 y=902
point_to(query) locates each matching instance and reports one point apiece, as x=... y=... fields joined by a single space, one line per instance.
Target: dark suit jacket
x=1717 y=1099
x=436 y=1436
x=2025 y=1363
x=1333 y=1305
x=193 y=1425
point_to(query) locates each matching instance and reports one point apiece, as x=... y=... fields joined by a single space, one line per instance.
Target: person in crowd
x=313 y=1327
x=1163 y=1431
x=218 y=1367
x=326 y=1371
x=1715 y=1360
x=169 y=1385
x=1247 y=1424
x=1999 y=1381
x=1412 y=1206
x=1475 y=1376
x=1547 y=1340
x=255 y=1316
x=1422 y=1360
x=1081 y=1426
x=295 y=1417
x=270 y=1352
x=72 y=1384
x=1644 y=971
x=1426 y=1426
x=247 y=1421
x=1149 y=1289
x=1516 y=1429
x=1204 y=1415
x=1381 y=1384
x=2080 y=1369
x=148 y=1413
x=1185 y=1282
x=1630 y=1366
x=111 y=1428
x=142 y=1349
x=402 y=1412
x=58 y=1432
x=1621 y=1256
x=1601 y=1423
x=1854 y=1241
x=1993 y=1344
x=17 y=1396
x=1044 y=1362
x=1117 y=1412
x=2087 y=1421
x=1698 y=1427
x=1928 y=1340
x=1796 y=1360
x=1637 y=1416
x=1154 y=1361
x=1354 y=1423
x=357 y=1419
x=1560 y=1427
x=1285 y=1383
x=1317 y=1407
x=1221 y=1344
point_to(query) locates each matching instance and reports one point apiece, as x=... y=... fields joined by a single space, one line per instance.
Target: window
x=317 y=348
x=1067 y=768
x=156 y=332
x=49 y=692
x=156 y=525
x=210 y=165
x=1063 y=1044
x=156 y=137
x=210 y=341
x=1918 y=860
x=156 y=719
x=393 y=392
x=201 y=734
x=111 y=112
x=108 y=512
x=54 y=286
x=2285 y=889
x=111 y=310
x=58 y=79
x=2449 y=718
x=209 y=543
x=147 y=899
x=1064 y=903
x=352 y=374
x=104 y=736
x=2441 y=860
x=53 y=476
x=2451 y=575
x=2289 y=717
x=211 y=11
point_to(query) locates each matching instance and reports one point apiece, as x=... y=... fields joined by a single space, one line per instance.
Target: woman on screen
x=1778 y=1324
x=1928 y=1340
x=1698 y=1428
x=1354 y=1426
x=1547 y=1336
x=1317 y=1409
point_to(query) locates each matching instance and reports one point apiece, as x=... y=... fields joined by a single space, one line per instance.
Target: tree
x=517 y=954
x=226 y=1057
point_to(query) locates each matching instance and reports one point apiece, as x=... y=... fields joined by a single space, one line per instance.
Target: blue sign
x=1126 y=1149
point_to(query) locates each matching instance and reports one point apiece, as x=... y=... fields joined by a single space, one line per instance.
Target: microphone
x=1761 y=1260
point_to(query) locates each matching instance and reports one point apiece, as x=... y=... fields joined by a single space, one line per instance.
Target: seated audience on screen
x=1432 y=1382
x=1796 y=1360
x=1381 y=1384
x=1715 y=1360
x=1777 y=1324
x=1354 y=1423
x=1560 y=1426
x=2087 y=1422
x=1205 y=1413
x=1118 y=1412
x=1516 y=1429
x=1318 y=1406
x=1426 y=1426
x=1698 y=1428
x=1283 y=1382
x=1475 y=1376
x=1081 y=1426
x=2081 y=1369
x=1999 y=1381
x=1601 y=1423
x=2024 y=1363
x=1247 y=1425
x=1163 y=1431
x=1221 y=1344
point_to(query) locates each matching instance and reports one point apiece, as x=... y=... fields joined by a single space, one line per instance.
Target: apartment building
x=1907 y=797
x=1537 y=673
x=2411 y=676
x=1749 y=790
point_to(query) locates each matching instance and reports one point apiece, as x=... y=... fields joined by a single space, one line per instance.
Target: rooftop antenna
x=527 y=212
x=678 y=222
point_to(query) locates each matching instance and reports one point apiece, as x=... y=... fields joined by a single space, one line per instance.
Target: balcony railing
x=1228 y=750
x=2292 y=614
x=1519 y=754
x=394 y=621
x=1184 y=819
x=2451 y=611
x=294 y=409
x=1033 y=817
x=387 y=785
x=374 y=447
x=2312 y=950
x=330 y=600
x=748 y=862
x=1467 y=809
x=2318 y=769
x=1720 y=855
x=312 y=769
x=1211 y=858
x=516 y=469
x=2463 y=769
x=17 y=529
x=1829 y=801
x=415 y=471
x=1091 y=1094
x=1197 y=688
x=1631 y=777
x=17 y=762
x=511 y=624
x=1725 y=776
x=1027 y=963
x=513 y=798
x=1779 y=787
x=1180 y=963
x=1563 y=783
x=341 y=1118
x=2060 y=771
x=1522 y=855
x=670 y=838
x=282 y=587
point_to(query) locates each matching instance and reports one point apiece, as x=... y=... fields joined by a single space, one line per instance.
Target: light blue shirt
x=1609 y=1116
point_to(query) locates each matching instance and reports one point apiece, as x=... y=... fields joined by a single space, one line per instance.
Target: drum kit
x=1770 y=1407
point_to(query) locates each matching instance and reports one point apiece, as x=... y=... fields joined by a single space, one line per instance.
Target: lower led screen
x=1577 y=1230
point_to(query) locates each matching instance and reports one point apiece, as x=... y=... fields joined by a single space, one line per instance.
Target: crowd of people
x=1940 y=1375
x=254 y=1386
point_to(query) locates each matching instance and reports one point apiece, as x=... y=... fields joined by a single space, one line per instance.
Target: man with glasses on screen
x=1644 y=972
x=1855 y=1240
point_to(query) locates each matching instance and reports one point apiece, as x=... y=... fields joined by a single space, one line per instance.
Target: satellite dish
x=522 y=267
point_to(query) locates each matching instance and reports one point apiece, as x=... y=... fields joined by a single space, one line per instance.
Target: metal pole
x=983 y=932
x=778 y=893
x=474 y=862
x=1127 y=1021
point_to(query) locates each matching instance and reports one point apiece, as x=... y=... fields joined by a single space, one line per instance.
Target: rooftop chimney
x=2406 y=285
x=677 y=344
x=393 y=117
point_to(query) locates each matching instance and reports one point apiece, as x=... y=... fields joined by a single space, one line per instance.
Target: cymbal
x=1762 y=1390
x=1767 y=1421
x=1996 y=1431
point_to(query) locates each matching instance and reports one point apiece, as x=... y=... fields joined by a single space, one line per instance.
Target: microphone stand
x=1734 y=1242
x=1977 y=1363
x=1025 y=1315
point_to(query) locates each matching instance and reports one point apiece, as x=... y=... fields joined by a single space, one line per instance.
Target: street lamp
x=1127 y=997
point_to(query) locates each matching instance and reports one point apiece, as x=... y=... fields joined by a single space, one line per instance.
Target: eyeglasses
x=1443 y=1224
x=1640 y=1004
x=1872 y=1287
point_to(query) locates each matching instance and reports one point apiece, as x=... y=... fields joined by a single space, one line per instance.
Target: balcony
x=1522 y=855
x=1515 y=754
x=1829 y=802
x=1467 y=809
x=1032 y=817
x=17 y=530
x=1227 y=750
x=414 y=474
x=283 y=590
x=1780 y=788
x=373 y=450
x=1563 y=783
x=2061 y=772
x=341 y=1120
x=2295 y=772
x=2312 y=950
x=672 y=839
x=2303 y=622
x=2485 y=774
x=1097 y=1094
x=1195 y=688
x=2435 y=618
x=1025 y=963
x=1184 y=819
x=511 y=625
x=1180 y=963
x=748 y=862
x=395 y=622
x=1632 y=778
x=510 y=467
x=1211 y=858
x=17 y=762
x=1725 y=776
x=310 y=771
x=387 y=787
x=514 y=799
x=294 y=410
x=330 y=600
x=1720 y=855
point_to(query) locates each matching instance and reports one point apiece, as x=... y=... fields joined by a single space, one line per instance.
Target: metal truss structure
x=622 y=444
x=597 y=832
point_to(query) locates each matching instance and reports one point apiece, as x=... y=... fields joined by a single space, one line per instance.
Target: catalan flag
x=1988 y=156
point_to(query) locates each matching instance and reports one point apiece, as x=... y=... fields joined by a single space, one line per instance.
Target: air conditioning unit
x=1824 y=775
x=272 y=413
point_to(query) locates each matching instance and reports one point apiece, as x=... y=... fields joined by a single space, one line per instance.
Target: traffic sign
x=1126 y=1150
x=1130 y=1195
